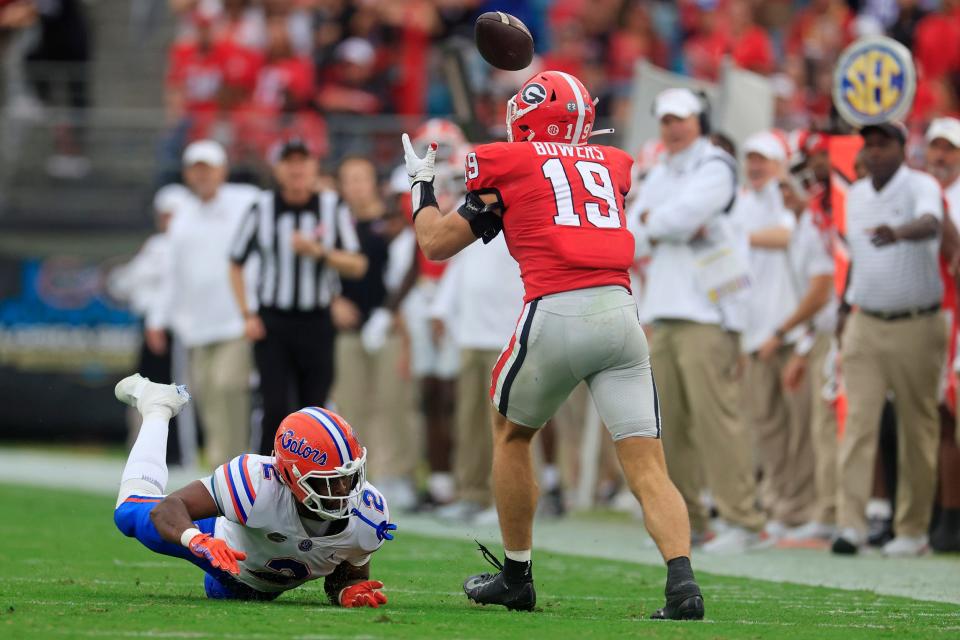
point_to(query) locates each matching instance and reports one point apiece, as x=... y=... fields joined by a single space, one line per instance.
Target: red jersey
x=563 y=216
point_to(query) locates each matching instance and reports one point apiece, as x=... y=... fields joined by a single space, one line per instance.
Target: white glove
x=374 y=333
x=419 y=169
x=421 y=174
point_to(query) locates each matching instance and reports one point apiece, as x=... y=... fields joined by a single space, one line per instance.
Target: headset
x=704 y=118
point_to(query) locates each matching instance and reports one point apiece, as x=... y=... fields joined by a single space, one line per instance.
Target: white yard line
x=934 y=578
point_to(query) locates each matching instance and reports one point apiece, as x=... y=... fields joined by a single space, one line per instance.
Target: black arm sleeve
x=485 y=219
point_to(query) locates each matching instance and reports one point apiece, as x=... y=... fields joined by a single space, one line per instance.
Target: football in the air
x=503 y=41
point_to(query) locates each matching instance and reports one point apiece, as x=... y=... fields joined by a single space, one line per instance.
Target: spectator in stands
x=751 y=47
x=350 y=86
x=779 y=419
x=936 y=42
x=895 y=340
x=206 y=77
x=60 y=60
x=197 y=305
x=281 y=100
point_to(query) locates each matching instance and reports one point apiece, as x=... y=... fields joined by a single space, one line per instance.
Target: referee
x=305 y=241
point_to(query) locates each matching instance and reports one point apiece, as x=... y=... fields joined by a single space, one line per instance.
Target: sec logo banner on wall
x=874 y=81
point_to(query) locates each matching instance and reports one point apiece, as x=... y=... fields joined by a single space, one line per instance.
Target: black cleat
x=844 y=547
x=684 y=602
x=493 y=588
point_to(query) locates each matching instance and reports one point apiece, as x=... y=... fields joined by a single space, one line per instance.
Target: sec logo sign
x=874 y=81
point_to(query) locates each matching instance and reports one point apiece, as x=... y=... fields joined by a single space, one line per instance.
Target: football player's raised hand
x=363 y=594
x=419 y=169
x=217 y=551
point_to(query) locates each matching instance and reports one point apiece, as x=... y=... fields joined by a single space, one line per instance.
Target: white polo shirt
x=480 y=296
x=906 y=274
x=773 y=293
x=682 y=193
x=951 y=193
x=811 y=255
x=197 y=301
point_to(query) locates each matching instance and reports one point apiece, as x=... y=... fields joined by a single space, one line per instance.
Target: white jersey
x=260 y=518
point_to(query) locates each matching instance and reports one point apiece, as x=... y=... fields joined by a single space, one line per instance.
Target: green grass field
x=66 y=572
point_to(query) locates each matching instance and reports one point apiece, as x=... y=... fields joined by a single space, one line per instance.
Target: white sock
x=879 y=508
x=550 y=477
x=518 y=556
x=146 y=469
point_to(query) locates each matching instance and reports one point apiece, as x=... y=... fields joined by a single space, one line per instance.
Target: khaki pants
x=473 y=432
x=378 y=404
x=220 y=381
x=781 y=423
x=704 y=438
x=905 y=357
x=823 y=427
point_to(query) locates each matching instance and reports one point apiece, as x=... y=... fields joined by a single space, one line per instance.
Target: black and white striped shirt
x=289 y=282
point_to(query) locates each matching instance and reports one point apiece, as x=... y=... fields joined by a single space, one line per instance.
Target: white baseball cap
x=205 y=151
x=767 y=145
x=946 y=128
x=359 y=51
x=681 y=103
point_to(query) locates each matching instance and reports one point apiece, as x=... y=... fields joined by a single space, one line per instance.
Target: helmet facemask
x=328 y=493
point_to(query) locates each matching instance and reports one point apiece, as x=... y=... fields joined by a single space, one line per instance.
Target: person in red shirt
x=936 y=43
x=206 y=76
x=281 y=96
x=560 y=203
x=751 y=47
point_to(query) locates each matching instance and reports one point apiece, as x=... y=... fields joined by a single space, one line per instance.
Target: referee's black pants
x=295 y=361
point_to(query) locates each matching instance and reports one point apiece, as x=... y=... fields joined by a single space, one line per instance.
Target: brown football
x=503 y=41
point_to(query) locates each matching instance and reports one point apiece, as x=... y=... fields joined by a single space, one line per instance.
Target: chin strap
x=383 y=529
x=600 y=132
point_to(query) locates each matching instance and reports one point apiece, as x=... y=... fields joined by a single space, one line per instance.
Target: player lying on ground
x=259 y=525
x=559 y=203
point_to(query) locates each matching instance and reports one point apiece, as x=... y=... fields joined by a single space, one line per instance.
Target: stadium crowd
x=411 y=343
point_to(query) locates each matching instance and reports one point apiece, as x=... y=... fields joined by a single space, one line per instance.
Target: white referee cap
x=946 y=128
x=205 y=151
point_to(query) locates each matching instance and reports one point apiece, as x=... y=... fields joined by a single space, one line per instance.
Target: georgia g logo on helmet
x=533 y=93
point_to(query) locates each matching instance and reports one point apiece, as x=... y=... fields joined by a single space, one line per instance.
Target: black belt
x=902 y=315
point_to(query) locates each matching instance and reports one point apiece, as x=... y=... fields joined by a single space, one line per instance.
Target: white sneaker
x=774 y=530
x=459 y=511
x=487 y=517
x=811 y=531
x=150 y=397
x=733 y=540
x=398 y=492
x=906 y=546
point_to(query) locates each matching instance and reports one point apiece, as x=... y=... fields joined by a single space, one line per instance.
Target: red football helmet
x=320 y=459
x=452 y=145
x=552 y=106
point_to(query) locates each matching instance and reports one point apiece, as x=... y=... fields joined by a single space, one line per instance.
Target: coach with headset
x=693 y=300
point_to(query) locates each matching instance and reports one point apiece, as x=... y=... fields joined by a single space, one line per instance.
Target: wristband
x=189 y=535
x=422 y=196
